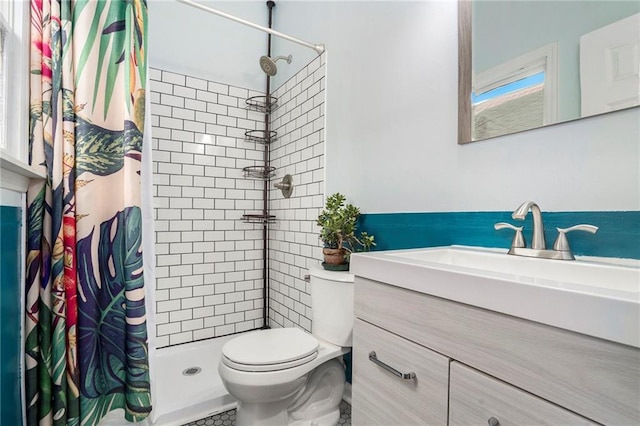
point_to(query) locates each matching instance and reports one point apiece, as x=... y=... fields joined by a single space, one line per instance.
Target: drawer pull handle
x=493 y=421
x=406 y=376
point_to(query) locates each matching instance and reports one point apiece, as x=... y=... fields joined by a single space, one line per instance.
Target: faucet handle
x=562 y=244
x=518 y=238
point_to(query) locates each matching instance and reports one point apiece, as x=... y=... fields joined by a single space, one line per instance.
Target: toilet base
x=330 y=419
x=271 y=414
x=317 y=403
x=275 y=415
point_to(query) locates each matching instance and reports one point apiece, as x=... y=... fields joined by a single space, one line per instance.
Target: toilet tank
x=332 y=305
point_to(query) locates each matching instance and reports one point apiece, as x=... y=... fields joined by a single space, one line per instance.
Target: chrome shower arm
x=286 y=58
x=319 y=48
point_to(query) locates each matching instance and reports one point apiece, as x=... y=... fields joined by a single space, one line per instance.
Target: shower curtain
x=86 y=338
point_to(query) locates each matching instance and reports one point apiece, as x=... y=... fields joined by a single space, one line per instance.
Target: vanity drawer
x=382 y=398
x=478 y=399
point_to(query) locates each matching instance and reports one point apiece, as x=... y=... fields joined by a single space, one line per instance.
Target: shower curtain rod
x=317 y=47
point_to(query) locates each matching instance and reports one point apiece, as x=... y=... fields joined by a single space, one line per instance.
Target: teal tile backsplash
x=10 y=228
x=618 y=236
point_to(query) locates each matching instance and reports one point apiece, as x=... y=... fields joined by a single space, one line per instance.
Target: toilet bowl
x=286 y=376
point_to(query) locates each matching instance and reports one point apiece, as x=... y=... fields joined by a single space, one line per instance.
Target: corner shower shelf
x=258 y=218
x=259 y=172
x=260 y=136
x=262 y=103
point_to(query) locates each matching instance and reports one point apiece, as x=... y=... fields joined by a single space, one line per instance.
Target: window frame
x=543 y=59
x=14 y=16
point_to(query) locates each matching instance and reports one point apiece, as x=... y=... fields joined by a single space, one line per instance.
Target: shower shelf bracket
x=260 y=136
x=259 y=172
x=262 y=103
x=258 y=218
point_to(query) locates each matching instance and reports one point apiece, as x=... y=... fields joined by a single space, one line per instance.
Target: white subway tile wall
x=299 y=151
x=208 y=262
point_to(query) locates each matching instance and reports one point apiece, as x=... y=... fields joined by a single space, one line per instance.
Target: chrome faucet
x=561 y=249
x=538 y=242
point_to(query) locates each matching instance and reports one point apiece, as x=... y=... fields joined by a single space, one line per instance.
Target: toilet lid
x=271 y=346
x=269 y=367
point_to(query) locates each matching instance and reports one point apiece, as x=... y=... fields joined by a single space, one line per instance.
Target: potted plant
x=338 y=223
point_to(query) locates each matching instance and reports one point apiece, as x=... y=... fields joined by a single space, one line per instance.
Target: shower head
x=268 y=65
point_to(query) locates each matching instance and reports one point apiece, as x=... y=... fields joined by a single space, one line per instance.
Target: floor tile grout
x=228 y=418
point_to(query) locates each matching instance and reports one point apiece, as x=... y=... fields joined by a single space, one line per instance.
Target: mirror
x=527 y=64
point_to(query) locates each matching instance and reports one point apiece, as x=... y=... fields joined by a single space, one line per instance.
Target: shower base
x=184 y=394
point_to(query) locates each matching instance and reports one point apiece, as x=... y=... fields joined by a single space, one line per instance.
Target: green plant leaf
x=101 y=151
x=338 y=224
x=117 y=40
x=92 y=35
x=112 y=328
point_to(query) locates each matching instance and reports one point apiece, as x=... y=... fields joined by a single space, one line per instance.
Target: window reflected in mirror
x=511 y=108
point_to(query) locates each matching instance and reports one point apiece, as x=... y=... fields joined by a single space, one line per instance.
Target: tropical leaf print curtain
x=86 y=337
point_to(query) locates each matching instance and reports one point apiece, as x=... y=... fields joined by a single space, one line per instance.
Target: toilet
x=286 y=376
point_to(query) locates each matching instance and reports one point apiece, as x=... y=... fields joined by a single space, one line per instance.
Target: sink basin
x=593 y=296
x=598 y=276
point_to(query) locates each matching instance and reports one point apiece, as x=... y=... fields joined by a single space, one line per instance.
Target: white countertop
x=593 y=296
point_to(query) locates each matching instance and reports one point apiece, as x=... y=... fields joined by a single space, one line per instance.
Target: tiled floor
x=228 y=418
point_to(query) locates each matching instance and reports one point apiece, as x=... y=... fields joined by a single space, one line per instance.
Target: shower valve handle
x=283 y=186
x=286 y=186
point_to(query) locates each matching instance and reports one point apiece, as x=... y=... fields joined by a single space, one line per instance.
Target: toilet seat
x=269 y=367
x=270 y=350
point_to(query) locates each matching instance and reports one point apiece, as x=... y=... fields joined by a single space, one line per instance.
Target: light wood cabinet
x=597 y=380
x=477 y=399
x=418 y=399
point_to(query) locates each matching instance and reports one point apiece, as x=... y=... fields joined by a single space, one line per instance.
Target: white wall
x=392 y=117
x=197 y=43
x=392 y=111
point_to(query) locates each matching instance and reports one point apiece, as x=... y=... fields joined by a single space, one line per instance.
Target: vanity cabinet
x=537 y=373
